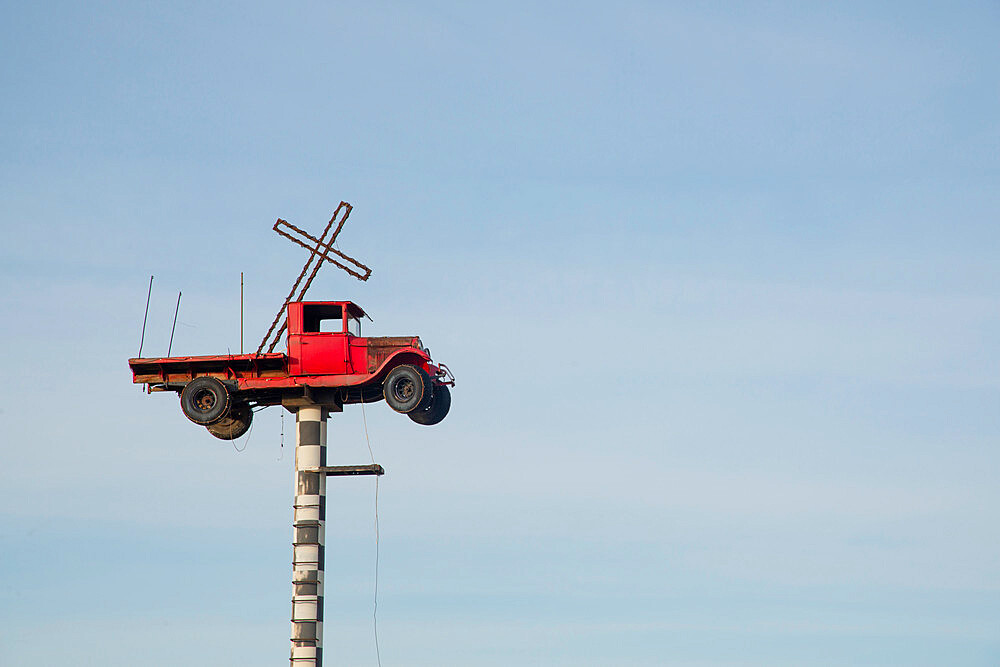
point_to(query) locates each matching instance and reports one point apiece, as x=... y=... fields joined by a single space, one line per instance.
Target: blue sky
x=719 y=284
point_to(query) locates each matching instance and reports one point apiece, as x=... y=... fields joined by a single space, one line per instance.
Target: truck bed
x=167 y=370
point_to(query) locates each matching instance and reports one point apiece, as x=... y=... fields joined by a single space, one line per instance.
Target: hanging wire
x=368 y=441
x=249 y=433
x=282 y=454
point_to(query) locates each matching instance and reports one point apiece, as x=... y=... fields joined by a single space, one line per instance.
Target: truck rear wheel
x=437 y=410
x=407 y=388
x=233 y=425
x=205 y=401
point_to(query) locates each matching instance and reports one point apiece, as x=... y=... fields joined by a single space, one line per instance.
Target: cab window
x=322 y=319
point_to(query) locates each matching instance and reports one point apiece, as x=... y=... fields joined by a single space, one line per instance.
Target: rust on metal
x=340 y=471
x=319 y=250
x=381 y=348
x=326 y=249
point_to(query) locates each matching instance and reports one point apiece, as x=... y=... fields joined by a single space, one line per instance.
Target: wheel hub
x=403 y=390
x=205 y=400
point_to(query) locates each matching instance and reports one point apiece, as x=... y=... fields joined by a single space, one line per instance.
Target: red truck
x=328 y=362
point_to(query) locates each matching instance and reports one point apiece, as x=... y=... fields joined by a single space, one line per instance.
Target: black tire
x=205 y=401
x=437 y=410
x=234 y=425
x=407 y=388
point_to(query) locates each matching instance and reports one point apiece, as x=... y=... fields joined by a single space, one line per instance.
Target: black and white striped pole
x=308 y=559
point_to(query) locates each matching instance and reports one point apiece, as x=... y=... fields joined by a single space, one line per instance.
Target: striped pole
x=308 y=555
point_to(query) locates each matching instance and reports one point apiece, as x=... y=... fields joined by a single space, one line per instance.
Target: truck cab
x=324 y=338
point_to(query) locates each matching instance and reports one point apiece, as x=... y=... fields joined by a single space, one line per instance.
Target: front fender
x=406 y=355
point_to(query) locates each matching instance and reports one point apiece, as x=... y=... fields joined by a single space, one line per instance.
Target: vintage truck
x=328 y=362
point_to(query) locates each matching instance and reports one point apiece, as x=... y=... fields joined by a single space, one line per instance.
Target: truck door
x=324 y=348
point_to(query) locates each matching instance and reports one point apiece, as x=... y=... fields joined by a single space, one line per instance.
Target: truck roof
x=353 y=309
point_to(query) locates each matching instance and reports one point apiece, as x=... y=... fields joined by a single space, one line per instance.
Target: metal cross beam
x=320 y=249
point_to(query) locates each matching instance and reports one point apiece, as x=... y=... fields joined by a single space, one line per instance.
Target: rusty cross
x=320 y=249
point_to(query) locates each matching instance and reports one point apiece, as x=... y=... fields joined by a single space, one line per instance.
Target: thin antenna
x=176 y=308
x=143 y=336
x=241 y=312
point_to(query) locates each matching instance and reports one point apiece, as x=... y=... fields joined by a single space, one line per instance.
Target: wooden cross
x=319 y=249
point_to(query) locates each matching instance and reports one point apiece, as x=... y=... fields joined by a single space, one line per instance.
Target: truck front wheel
x=407 y=388
x=205 y=401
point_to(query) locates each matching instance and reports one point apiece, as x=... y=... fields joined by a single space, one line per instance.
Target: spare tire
x=437 y=410
x=233 y=425
x=205 y=400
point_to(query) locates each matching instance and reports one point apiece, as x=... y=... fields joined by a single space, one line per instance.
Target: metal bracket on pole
x=343 y=471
